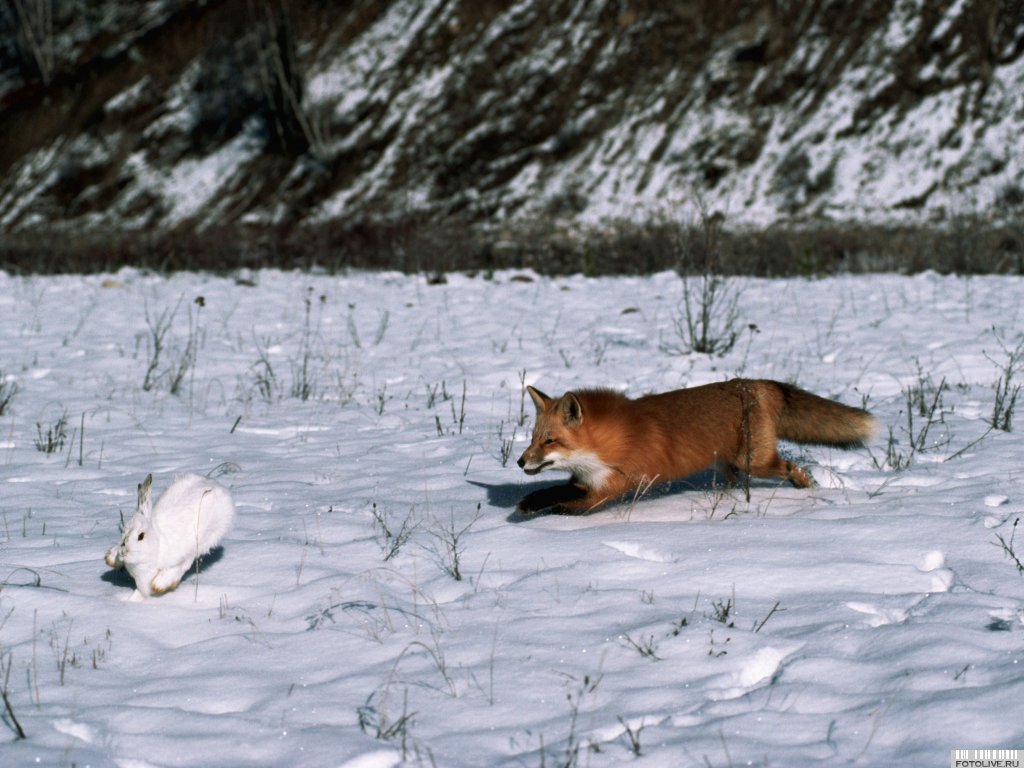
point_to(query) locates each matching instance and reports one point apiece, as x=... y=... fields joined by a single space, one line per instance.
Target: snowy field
x=378 y=602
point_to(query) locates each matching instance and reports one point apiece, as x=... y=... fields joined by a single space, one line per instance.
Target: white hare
x=160 y=544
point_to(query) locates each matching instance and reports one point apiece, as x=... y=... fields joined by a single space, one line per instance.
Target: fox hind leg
x=726 y=471
x=797 y=475
x=776 y=466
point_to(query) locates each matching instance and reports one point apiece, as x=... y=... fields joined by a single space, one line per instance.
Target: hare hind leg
x=167 y=579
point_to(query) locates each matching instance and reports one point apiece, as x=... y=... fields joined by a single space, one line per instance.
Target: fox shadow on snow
x=120 y=577
x=508 y=495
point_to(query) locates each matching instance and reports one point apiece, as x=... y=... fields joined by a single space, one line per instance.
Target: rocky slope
x=182 y=114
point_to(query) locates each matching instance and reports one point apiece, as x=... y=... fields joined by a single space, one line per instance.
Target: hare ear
x=145 y=490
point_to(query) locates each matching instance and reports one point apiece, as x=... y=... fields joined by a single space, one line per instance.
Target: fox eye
x=142 y=536
x=549 y=440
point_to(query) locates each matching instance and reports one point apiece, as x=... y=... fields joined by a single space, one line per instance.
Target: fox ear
x=540 y=400
x=570 y=410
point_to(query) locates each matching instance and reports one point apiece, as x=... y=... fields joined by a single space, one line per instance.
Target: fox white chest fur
x=587 y=467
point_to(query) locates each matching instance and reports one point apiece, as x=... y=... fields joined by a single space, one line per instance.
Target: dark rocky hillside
x=179 y=115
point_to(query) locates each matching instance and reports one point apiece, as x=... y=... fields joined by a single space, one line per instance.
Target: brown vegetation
x=968 y=247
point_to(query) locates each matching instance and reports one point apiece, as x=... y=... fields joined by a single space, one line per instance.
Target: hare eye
x=142 y=536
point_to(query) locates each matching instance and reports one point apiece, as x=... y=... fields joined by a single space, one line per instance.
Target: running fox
x=612 y=444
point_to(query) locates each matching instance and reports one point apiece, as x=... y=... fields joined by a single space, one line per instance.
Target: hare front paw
x=164 y=581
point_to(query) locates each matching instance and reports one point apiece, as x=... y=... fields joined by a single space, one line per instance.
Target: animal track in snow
x=639 y=551
x=763 y=665
x=636 y=724
x=79 y=731
x=934 y=563
x=940 y=579
x=384 y=758
x=1005 y=619
x=879 y=617
x=995 y=501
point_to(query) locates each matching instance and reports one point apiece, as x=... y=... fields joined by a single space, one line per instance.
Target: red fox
x=612 y=444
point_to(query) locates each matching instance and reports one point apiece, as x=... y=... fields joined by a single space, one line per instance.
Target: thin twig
x=7 y=702
x=759 y=625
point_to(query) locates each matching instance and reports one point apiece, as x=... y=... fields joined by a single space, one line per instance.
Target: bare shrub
x=8 y=389
x=1006 y=388
x=53 y=438
x=707 y=317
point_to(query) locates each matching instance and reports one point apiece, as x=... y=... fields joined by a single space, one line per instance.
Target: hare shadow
x=119 y=577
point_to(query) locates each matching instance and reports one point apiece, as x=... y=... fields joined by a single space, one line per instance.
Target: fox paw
x=529 y=511
x=561 y=497
x=530 y=506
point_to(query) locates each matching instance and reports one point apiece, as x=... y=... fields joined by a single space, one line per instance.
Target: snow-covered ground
x=874 y=619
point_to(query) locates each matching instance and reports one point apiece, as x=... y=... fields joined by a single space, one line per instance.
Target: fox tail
x=807 y=418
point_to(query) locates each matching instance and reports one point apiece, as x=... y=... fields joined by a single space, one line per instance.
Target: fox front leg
x=569 y=498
